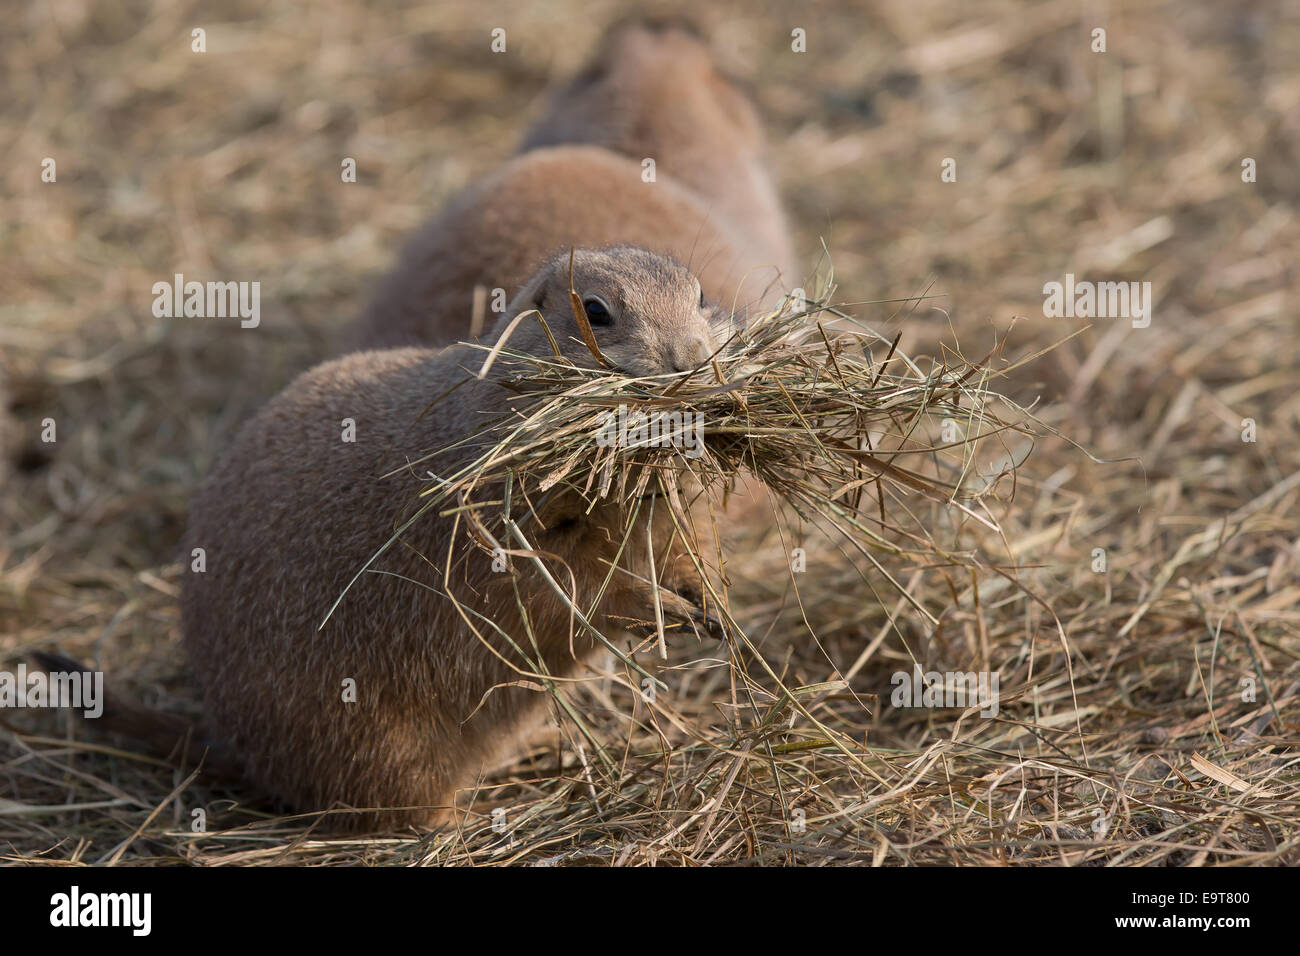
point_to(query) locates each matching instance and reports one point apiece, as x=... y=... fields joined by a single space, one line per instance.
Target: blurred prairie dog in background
x=651 y=92
x=292 y=513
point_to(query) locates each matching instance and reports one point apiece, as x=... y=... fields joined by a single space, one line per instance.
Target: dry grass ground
x=1122 y=737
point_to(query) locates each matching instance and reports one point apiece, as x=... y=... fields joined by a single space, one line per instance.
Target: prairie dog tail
x=164 y=735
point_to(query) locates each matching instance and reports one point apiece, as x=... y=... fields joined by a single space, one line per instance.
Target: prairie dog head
x=647 y=312
x=650 y=84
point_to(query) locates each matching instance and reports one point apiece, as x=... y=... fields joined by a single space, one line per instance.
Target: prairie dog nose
x=690 y=353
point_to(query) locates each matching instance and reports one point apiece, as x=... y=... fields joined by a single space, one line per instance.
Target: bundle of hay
x=842 y=427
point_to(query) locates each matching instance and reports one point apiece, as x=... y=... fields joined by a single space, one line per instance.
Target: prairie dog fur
x=653 y=90
x=650 y=93
x=291 y=513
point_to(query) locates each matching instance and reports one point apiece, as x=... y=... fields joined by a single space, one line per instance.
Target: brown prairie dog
x=292 y=513
x=650 y=93
x=653 y=90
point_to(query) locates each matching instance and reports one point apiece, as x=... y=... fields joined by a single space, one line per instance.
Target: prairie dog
x=292 y=513
x=653 y=90
x=579 y=182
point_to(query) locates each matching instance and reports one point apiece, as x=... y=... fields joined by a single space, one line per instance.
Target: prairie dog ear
x=533 y=294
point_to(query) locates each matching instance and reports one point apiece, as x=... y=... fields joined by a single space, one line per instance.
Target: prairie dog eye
x=597 y=311
x=701 y=297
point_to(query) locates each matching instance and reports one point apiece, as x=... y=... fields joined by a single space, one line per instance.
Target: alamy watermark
x=211 y=300
x=1098 y=300
x=950 y=689
x=133 y=911
x=637 y=429
x=80 y=690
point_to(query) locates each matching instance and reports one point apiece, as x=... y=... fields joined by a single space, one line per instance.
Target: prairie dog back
x=534 y=207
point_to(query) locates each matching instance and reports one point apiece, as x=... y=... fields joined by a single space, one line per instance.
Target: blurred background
x=1123 y=165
